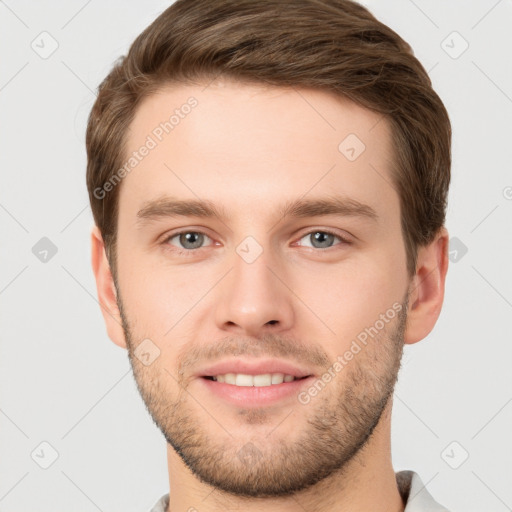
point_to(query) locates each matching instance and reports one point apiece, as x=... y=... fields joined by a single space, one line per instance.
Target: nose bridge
x=252 y=297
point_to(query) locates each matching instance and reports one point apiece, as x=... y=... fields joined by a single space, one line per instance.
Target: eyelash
x=191 y=252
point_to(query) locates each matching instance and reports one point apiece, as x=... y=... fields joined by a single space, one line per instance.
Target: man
x=268 y=181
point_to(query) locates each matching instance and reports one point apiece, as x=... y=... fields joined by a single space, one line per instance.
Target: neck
x=367 y=482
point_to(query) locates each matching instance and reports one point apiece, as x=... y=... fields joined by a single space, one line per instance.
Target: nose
x=253 y=298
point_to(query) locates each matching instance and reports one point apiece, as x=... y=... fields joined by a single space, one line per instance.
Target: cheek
x=350 y=296
x=158 y=296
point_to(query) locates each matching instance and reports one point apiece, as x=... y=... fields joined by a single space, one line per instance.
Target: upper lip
x=253 y=367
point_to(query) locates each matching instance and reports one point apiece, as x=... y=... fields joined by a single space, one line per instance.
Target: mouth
x=260 y=380
x=254 y=382
x=254 y=390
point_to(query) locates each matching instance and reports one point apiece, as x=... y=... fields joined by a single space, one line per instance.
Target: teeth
x=242 y=379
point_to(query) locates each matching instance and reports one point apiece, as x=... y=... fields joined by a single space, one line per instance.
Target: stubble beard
x=338 y=422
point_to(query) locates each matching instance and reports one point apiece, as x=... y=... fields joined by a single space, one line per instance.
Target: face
x=260 y=235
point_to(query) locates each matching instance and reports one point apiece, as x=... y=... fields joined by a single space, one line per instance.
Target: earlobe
x=107 y=295
x=426 y=292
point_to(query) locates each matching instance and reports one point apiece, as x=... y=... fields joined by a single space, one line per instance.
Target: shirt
x=411 y=488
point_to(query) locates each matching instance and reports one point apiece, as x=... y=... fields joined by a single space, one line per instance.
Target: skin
x=249 y=149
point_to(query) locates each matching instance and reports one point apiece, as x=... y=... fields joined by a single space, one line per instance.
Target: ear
x=426 y=291
x=107 y=294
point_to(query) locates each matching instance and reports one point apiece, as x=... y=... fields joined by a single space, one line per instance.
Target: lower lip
x=255 y=396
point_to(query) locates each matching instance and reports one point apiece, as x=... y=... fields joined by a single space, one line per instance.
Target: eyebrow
x=298 y=208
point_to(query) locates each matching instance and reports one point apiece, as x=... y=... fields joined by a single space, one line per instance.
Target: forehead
x=254 y=145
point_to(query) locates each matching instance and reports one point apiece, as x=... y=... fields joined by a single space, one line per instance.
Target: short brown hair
x=332 y=45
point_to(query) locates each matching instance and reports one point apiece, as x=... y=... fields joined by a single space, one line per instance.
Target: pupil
x=191 y=240
x=321 y=239
x=324 y=239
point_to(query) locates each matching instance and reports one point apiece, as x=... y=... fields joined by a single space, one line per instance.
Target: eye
x=322 y=239
x=187 y=240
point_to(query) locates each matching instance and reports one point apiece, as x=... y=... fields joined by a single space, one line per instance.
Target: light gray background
x=62 y=381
